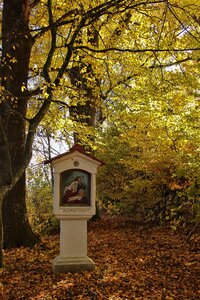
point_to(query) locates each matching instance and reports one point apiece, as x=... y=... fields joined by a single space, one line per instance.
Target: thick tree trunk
x=17 y=231
x=1 y=233
x=16 y=49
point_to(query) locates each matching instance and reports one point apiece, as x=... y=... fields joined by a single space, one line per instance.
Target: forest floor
x=133 y=261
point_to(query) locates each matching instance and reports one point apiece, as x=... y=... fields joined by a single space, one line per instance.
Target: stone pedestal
x=72 y=264
x=73 y=247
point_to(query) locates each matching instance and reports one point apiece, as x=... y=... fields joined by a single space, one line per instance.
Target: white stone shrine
x=74 y=204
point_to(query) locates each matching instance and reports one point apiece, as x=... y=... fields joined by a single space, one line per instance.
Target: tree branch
x=53 y=44
x=181 y=23
x=173 y=63
x=84 y=47
x=69 y=52
x=58 y=23
x=34 y=3
x=120 y=6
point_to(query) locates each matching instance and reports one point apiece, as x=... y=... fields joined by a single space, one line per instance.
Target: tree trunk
x=83 y=113
x=1 y=232
x=16 y=48
x=17 y=231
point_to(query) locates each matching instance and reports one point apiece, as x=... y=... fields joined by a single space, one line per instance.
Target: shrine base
x=72 y=264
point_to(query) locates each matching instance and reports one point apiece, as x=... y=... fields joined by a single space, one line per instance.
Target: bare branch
x=178 y=62
x=84 y=47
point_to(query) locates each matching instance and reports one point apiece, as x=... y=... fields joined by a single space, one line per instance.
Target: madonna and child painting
x=75 y=187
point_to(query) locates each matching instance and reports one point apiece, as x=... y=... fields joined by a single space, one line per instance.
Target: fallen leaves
x=132 y=262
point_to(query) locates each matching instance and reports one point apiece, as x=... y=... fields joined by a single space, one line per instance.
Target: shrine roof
x=76 y=148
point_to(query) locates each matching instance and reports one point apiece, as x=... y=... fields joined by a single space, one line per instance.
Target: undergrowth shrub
x=161 y=187
x=40 y=203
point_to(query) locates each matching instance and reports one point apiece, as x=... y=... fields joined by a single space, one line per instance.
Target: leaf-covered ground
x=132 y=262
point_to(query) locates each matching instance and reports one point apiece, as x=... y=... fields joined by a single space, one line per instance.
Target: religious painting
x=75 y=187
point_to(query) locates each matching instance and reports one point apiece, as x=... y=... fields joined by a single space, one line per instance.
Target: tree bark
x=1 y=232
x=83 y=113
x=17 y=231
x=16 y=49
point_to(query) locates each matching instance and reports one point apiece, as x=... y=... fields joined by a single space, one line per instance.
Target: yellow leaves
x=191 y=3
x=10 y=58
x=13 y=60
x=23 y=88
x=46 y=95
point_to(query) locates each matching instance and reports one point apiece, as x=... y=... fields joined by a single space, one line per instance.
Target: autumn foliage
x=133 y=261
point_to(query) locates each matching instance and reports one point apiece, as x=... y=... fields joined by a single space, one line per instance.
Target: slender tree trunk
x=49 y=157
x=83 y=113
x=16 y=49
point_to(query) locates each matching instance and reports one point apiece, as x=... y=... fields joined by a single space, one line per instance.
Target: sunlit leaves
x=136 y=65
